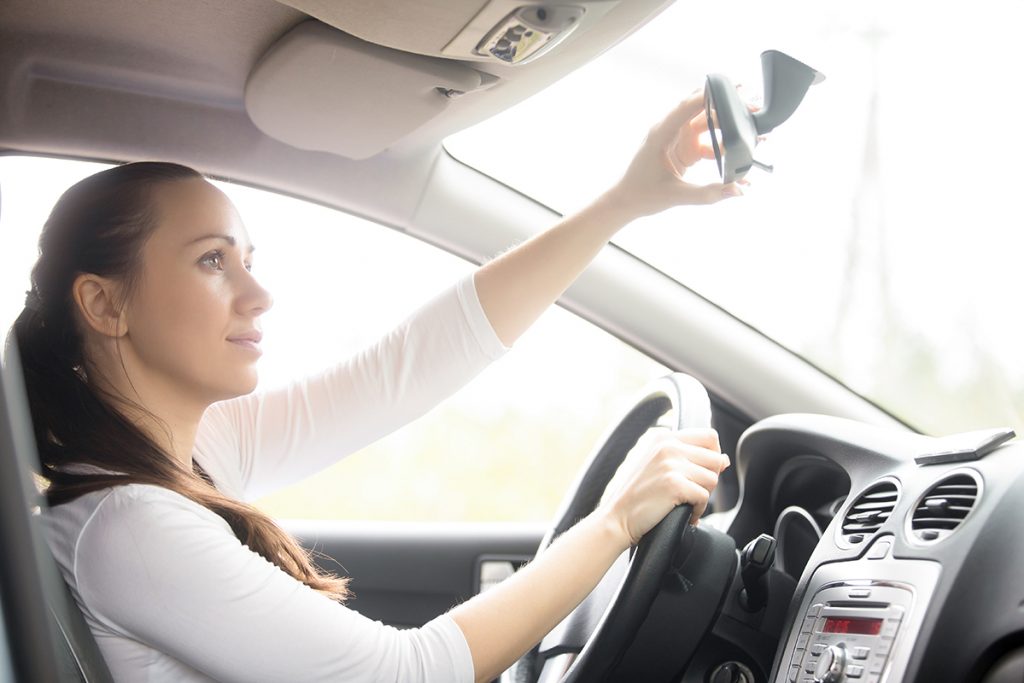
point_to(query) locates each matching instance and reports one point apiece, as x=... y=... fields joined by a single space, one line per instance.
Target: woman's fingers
x=691 y=462
x=705 y=437
x=688 y=492
x=665 y=469
x=710 y=193
x=665 y=131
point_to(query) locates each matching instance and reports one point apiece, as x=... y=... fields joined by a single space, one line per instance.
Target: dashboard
x=902 y=571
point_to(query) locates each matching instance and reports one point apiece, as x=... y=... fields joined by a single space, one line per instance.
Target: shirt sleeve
x=154 y=566
x=264 y=441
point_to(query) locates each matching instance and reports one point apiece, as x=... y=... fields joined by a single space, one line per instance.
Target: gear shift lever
x=757 y=558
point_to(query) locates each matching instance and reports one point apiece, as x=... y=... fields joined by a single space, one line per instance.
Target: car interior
x=842 y=545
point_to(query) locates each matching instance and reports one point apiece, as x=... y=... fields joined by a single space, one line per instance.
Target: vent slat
x=944 y=507
x=965 y=488
x=871 y=514
x=962 y=510
x=872 y=506
x=936 y=522
x=871 y=510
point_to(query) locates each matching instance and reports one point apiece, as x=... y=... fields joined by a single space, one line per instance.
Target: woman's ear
x=96 y=298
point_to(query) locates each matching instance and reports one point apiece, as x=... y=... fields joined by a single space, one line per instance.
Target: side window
x=504 y=448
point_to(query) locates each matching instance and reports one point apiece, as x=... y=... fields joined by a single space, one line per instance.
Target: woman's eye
x=215 y=260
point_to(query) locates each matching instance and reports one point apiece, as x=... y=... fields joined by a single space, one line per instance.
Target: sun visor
x=320 y=89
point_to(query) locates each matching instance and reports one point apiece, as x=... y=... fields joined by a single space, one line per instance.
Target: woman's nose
x=254 y=298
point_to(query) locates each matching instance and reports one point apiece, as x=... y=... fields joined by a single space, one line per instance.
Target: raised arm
x=518 y=286
x=257 y=443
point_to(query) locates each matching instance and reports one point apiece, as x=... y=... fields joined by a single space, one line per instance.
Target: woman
x=139 y=342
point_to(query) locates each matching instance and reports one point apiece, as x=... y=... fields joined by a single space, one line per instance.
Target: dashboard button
x=854 y=671
x=801 y=641
x=794 y=673
x=861 y=652
x=890 y=627
x=879 y=550
x=860 y=593
x=818 y=648
x=815 y=609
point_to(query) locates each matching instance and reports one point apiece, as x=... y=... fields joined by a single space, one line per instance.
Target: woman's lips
x=249 y=341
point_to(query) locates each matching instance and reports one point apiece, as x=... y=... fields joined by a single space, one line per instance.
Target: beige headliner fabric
x=317 y=85
x=120 y=79
x=423 y=26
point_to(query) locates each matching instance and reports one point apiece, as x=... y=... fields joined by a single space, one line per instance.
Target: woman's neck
x=172 y=428
x=163 y=416
x=157 y=403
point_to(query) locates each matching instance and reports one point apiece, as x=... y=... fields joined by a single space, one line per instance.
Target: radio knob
x=831 y=665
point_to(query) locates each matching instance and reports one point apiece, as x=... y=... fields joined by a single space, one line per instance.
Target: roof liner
x=428 y=28
x=145 y=79
x=321 y=89
x=423 y=27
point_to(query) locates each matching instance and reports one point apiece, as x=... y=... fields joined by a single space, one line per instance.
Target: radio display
x=865 y=627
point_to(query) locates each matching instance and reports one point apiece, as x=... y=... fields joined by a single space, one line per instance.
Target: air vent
x=869 y=512
x=944 y=508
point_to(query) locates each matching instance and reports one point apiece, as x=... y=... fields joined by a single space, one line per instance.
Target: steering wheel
x=591 y=641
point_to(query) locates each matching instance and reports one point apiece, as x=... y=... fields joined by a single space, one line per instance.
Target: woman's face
x=193 y=317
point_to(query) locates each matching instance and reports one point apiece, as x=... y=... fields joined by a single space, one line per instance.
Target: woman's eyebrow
x=218 y=236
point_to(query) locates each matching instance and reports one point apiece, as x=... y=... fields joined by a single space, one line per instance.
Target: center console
x=858 y=620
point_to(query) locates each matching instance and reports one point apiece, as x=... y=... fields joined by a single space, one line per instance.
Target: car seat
x=47 y=637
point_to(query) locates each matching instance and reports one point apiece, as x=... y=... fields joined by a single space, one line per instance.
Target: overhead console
x=458 y=29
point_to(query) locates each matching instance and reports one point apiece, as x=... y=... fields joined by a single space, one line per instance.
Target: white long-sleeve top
x=172 y=595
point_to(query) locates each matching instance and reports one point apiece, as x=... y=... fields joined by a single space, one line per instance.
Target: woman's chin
x=240 y=386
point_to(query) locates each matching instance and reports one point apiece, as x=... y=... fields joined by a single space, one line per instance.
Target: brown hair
x=99 y=226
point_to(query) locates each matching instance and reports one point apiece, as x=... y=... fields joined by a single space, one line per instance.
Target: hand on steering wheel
x=664 y=469
x=664 y=483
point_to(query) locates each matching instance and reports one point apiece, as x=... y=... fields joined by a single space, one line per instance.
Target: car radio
x=848 y=631
x=858 y=621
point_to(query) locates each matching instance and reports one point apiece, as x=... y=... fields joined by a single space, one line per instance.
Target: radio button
x=815 y=609
x=794 y=673
x=861 y=652
x=854 y=671
x=801 y=641
x=818 y=648
x=889 y=628
x=808 y=624
x=860 y=593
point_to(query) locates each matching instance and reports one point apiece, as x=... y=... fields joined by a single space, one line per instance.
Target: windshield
x=885 y=247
